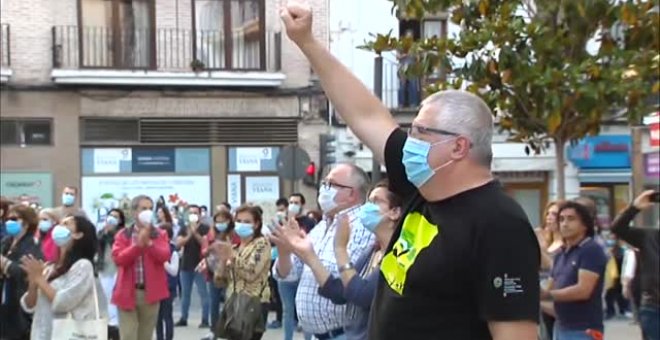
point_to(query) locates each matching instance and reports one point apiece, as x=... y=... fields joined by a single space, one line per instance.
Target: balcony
x=401 y=95
x=5 y=54
x=170 y=57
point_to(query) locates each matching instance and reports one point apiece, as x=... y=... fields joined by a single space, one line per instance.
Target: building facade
x=189 y=99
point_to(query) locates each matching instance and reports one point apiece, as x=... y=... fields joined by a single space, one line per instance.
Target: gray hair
x=468 y=115
x=360 y=180
x=136 y=201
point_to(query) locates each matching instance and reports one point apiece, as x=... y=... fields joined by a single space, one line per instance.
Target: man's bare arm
x=363 y=112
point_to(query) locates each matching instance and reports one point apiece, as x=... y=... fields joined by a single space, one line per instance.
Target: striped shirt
x=139 y=264
x=317 y=314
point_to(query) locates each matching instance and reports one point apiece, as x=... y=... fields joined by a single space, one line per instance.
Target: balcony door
x=117 y=34
x=229 y=34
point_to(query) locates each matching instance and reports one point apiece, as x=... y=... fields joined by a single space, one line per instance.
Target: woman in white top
x=65 y=288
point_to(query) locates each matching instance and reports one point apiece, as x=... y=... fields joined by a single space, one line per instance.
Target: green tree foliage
x=529 y=61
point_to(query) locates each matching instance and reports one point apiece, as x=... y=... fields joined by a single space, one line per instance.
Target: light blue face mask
x=61 y=235
x=416 y=160
x=244 y=230
x=370 y=216
x=68 y=200
x=221 y=227
x=13 y=228
x=45 y=225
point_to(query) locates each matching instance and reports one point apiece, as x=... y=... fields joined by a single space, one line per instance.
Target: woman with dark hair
x=67 y=288
x=247 y=267
x=22 y=223
x=164 y=215
x=114 y=222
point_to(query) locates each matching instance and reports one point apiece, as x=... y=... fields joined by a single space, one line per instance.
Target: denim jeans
x=165 y=325
x=288 y=297
x=217 y=298
x=570 y=334
x=187 y=279
x=649 y=320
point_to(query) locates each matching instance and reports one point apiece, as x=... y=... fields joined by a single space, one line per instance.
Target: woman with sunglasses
x=21 y=226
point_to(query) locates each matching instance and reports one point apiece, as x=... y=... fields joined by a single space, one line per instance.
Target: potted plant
x=197 y=65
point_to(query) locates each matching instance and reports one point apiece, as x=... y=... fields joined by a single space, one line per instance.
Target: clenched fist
x=297 y=18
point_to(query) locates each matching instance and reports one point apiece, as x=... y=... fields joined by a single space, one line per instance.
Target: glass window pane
x=136 y=36
x=8 y=132
x=621 y=197
x=96 y=32
x=209 y=33
x=37 y=132
x=530 y=200
x=432 y=28
x=601 y=196
x=246 y=34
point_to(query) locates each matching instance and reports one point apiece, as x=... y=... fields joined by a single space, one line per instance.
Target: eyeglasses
x=423 y=130
x=327 y=185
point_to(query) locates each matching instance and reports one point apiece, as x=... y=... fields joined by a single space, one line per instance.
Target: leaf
x=483 y=7
x=554 y=121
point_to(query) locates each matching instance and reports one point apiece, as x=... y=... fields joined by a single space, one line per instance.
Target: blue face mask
x=13 y=227
x=61 y=235
x=111 y=220
x=244 y=230
x=45 y=225
x=68 y=199
x=416 y=160
x=370 y=216
x=221 y=227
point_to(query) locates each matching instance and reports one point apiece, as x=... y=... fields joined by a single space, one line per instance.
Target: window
x=117 y=33
x=229 y=34
x=26 y=132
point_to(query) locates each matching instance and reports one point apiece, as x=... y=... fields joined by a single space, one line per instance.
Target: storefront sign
x=31 y=187
x=102 y=193
x=653 y=122
x=153 y=160
x=602 y=152
x=652 y=165
x=110 y=160
x=249 y=159
x=263 y=191
x=234 y=190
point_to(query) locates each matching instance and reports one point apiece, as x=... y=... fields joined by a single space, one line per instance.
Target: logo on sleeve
x=509 y=285
x=416 y=234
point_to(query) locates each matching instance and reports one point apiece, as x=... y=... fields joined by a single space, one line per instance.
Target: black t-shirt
x=192 y=250
x=455 y=264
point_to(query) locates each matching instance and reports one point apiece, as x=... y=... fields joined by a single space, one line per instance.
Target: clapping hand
x=290 y=238
x=224 y=250
x=144 y=237
x=33 y=268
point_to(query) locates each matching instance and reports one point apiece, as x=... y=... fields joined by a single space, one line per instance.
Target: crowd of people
x=439 y=251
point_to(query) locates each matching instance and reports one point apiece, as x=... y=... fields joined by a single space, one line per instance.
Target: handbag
x=242 y=316
x=70 y=329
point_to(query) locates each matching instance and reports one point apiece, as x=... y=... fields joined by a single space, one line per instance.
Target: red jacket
x=125 y=254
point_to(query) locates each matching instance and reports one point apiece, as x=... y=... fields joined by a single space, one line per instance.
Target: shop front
x=605 y=175
x=113 y=176
x=651 y=151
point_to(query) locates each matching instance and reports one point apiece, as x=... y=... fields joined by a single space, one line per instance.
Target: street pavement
x=618 y=329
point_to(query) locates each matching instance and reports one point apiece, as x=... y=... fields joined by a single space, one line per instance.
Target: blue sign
x=153 y=160
x=602 y=152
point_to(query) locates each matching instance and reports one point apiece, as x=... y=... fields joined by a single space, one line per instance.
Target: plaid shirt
x=139 y=264
x=317 y=314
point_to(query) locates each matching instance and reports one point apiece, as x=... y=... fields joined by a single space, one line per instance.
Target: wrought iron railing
x=165 y=49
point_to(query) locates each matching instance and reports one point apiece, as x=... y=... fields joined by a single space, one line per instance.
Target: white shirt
x=317 y=314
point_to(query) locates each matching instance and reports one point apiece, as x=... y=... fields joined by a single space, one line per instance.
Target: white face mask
x=326 y=198
x=193 y=218
x=146 y=217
